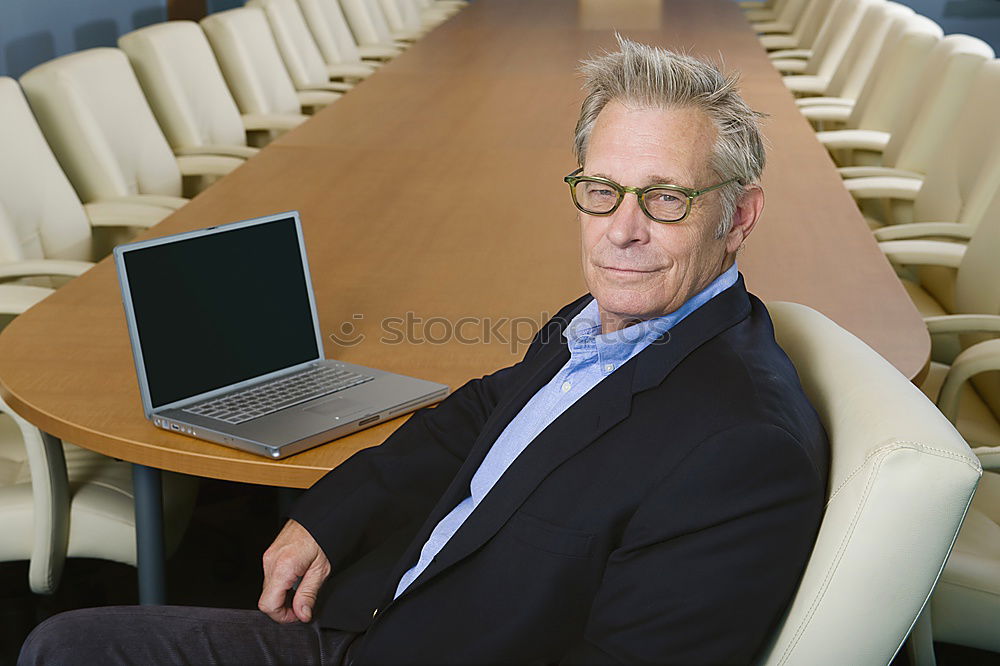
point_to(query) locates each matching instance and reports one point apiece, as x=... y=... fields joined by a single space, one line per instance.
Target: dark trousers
x=146 y=635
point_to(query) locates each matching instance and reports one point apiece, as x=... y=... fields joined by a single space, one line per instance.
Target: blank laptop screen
x=221 y=308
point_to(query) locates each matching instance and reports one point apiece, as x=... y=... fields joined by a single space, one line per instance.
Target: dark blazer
x=664 y=518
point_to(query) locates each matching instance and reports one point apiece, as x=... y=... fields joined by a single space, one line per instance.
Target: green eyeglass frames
x=594 y=195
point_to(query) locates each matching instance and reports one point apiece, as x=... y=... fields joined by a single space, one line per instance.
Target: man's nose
x=628 y=223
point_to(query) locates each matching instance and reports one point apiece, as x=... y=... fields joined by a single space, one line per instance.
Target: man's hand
x=293 y=554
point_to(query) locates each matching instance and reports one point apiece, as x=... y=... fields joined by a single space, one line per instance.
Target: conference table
x=440 y=234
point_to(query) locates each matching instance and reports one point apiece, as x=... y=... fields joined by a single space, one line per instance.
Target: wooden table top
x=485 y=101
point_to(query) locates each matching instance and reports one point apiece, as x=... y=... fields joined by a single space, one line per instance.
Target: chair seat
x=102 y=513
x=966 y=603
x=976 y=422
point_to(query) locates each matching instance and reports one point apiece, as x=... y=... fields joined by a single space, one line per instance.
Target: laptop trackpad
x=338 y=407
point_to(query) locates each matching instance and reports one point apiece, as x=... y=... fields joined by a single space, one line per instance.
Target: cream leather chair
x=966 y=604
x=336 y=43
x=916 y=136
x=147 y=177
x=901 y=479
x=869 y=121
x=368 y=25
x=881 y=27
x=784 y=20
x=762 y=10
x=814 y=75
x=970 y=399
x=252 y=66
x=93 y=113
x=298 y=49
x=185 y=88
x=814 y=17
x=919 y=134
x=58 y=500
x=402 y=25
x=44 y=229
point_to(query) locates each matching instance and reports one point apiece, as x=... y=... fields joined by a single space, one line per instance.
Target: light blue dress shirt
x=593 y=357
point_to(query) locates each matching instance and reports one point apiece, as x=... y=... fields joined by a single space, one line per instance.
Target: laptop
x=228 y=348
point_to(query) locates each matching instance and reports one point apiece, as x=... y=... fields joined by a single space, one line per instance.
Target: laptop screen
x=220 y=308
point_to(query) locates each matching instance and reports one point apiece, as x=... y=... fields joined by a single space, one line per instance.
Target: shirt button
x=566 y=386
x=609 y=367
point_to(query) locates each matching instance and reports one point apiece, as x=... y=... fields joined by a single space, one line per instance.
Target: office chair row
x=112 y=142
x=909 y=115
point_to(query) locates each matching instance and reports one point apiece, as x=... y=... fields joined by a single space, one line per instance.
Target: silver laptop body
x=227 y=344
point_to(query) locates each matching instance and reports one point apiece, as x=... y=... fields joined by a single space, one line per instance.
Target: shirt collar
x=584 y=338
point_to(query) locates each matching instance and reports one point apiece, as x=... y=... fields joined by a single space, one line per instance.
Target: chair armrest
x=772 y=27
x=989 y=457
x=923 y=252
x=331 y=86
x=825 y=101
x=916 y=230
x=789 y=66
x=832 y=113
x=854 y=139
x=781 y=54
x=29 y=267
x=373 y=52
x=978 y=358
x=244 y=152
x=317 y=98
x=272 y=121
x=877 y=171
x=883 y=188
x=124 y=214
x=207 y=165
x=160 y=200
x=962 y=323
x=15 y=299
x=806 y=84
x=352 y=71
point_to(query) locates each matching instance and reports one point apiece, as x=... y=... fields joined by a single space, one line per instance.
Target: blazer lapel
x=603 y=407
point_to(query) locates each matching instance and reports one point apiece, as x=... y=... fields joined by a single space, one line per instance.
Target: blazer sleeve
x=381 y=491
x=709 y=561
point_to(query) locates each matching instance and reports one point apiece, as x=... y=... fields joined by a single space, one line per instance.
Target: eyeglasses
x=594 y=195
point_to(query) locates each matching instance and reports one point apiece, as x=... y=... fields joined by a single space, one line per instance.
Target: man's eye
x=660 y=196
x=598 y=191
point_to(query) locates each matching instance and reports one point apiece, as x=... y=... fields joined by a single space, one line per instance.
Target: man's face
x=637 y=268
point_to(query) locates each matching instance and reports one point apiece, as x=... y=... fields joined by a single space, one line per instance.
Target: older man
x=643 y=487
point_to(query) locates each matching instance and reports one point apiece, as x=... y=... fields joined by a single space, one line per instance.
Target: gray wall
x=979 y=18
x=33 y=31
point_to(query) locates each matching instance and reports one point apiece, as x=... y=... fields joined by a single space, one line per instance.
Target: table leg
x=150 y=559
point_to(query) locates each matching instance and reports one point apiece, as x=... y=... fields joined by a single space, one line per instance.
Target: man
x=643 y=487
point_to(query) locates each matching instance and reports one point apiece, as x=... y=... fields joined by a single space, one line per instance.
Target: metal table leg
x=148 y=487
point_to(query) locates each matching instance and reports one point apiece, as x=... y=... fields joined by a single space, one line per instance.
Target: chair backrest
x=814 y=17
x=897 y=76
x=791 y=11
x=901 y=479
x=296 y=45
x=836 y=34
x=944 y=87
x=378 y=19
x=329 y=28
x=184 y=85
x=362 y=24
x=393 y=13
x=883 y=22
x=93 y=113
x=42 y=216
x=250 y=61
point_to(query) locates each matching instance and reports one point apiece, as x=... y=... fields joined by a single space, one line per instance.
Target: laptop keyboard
x=268 y=398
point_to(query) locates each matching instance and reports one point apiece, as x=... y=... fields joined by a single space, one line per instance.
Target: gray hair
x=658 y=78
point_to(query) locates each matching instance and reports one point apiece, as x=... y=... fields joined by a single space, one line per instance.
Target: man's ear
x=748 y=210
